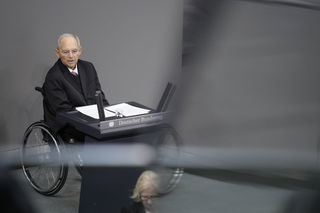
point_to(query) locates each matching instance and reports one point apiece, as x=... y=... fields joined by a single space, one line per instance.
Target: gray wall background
x=134 y=45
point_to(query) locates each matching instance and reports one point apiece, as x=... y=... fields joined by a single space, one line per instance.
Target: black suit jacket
x=135 y=207
x=61 y=93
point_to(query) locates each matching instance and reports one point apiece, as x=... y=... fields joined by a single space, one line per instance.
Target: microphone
x=99 y=101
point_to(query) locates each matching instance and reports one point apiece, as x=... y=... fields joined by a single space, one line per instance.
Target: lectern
x=107 y=189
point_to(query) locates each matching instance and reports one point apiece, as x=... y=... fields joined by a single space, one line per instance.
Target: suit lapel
x=71 y=81
x=83 y=77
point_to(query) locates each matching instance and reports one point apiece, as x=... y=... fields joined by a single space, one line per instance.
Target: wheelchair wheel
x=42 y=161
x=168 y=150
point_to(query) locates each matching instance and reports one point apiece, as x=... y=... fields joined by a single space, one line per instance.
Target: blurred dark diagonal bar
x=249 y=94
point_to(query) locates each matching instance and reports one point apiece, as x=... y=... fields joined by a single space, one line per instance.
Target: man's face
x=148 y=196
x=69 y=52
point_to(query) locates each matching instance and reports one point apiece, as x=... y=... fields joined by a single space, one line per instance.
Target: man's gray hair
x=68 y=35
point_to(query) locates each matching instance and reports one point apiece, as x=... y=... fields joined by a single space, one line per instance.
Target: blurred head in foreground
x=146 y=189
x=144 y=193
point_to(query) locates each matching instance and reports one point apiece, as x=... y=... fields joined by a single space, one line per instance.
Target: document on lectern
x=92 y=111
x=118 y=110
x=125 y=109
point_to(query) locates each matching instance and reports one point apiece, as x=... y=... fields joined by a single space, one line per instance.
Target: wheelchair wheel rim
x=47 y=172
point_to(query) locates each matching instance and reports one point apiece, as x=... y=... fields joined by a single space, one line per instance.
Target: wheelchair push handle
x=39 y=89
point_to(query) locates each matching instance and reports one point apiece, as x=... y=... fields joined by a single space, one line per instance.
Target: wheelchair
x=42 y=158
x=45 y=166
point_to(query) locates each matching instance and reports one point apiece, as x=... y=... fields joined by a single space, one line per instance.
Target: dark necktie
x=74 y=73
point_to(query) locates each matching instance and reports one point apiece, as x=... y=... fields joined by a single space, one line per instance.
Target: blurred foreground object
x=12 y=198
x=250 y=77
x=250 y=103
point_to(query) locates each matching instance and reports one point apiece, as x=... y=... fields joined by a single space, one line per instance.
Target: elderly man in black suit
x=70 y=83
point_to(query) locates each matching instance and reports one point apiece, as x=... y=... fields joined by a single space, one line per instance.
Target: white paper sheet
x=92 y=111
x=127 y=109
x=111 y=111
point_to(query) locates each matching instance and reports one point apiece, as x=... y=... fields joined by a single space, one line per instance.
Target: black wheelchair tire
x=53 y=142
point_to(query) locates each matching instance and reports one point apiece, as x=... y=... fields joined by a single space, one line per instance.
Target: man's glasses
x=66 y=52
x=145 y=198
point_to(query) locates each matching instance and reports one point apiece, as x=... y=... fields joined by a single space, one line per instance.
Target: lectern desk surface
x=114 y=126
